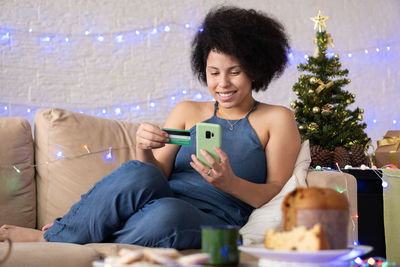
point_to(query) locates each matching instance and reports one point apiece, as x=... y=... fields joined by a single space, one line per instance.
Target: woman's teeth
x=225 y=94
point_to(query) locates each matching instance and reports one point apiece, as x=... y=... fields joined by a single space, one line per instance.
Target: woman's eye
x=235 y=72
x=214 y=73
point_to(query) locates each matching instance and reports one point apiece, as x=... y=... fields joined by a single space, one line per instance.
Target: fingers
x=149 y=136
x=47 y=226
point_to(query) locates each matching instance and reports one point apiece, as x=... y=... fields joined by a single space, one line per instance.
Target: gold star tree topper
x=320 y=21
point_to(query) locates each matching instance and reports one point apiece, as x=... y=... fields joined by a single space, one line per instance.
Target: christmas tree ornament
x=310 y=91
x=301 y=127
x=293 y=104
x=297 y=92
x=319 y=21
x=315 y=109
x=326 y=109
x=322 y=86
x=313 y=80
x=360 y=117
x=313 y=126
x=336 y=56
x=348 y=80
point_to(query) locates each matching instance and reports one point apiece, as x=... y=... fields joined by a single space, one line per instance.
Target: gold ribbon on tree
x=330 y=42
x=322 y=85
x=391 y=141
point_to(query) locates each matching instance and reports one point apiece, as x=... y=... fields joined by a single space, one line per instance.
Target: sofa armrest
x=342 y=182
x=17 y=183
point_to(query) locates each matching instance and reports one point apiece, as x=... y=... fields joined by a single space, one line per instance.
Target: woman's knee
x=134 y=178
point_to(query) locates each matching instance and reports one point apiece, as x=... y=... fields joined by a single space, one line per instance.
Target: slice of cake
x=299 y=238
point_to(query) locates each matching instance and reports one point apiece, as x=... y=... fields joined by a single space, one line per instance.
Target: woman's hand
x=220 y=175
x=149 y=136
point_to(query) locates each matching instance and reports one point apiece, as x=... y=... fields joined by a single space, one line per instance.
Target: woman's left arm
x=281 y=152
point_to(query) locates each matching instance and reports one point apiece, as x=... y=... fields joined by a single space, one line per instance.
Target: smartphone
x=208 y=135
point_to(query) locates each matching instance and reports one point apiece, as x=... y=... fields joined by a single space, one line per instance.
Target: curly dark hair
x=255 y=39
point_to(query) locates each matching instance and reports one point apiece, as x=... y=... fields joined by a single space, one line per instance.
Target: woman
x=162 y=198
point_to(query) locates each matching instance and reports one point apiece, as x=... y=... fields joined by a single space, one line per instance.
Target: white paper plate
x=298 y=256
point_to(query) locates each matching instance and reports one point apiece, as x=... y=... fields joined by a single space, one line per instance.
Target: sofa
x=44 y=170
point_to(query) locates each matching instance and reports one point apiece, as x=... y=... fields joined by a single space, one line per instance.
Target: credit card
x=178 y=137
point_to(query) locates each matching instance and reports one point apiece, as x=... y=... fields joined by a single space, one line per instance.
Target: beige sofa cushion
x=17 y=184
x=46 y=254
x=66 y=169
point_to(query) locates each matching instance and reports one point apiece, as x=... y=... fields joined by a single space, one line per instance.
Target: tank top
x=246 y=157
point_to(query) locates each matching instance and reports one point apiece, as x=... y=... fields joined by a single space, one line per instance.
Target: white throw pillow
x=269 y=216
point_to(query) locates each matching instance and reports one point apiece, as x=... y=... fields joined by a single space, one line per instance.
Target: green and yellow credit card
x=178 y=137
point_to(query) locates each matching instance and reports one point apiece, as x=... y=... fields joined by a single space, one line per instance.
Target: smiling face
x=227 y=82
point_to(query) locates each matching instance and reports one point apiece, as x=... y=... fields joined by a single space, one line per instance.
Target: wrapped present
x=388 y=150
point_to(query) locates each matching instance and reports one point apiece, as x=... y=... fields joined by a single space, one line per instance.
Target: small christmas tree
x=322 y=110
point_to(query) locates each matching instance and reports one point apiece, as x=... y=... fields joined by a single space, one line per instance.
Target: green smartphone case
x=208 y=135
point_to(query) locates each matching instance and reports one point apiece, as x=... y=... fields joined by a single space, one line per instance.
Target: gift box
x=388 y=150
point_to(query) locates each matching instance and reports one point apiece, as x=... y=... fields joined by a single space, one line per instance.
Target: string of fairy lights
x=10 y=37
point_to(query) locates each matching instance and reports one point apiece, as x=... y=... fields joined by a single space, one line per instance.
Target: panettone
x=299 y=238
x=310 y=206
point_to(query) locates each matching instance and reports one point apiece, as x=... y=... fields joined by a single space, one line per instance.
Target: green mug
x=221 y=242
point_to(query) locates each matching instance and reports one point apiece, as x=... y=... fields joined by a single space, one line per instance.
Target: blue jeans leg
x=166 y=222
x=106 y=207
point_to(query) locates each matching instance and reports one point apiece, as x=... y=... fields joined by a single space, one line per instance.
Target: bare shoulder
x=275 y=112
x=272 y=120
x=187 y=113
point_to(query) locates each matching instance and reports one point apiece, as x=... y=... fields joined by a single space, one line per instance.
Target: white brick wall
x=88 y=75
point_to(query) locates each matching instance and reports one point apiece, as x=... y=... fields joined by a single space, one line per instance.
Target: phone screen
x=208 y=135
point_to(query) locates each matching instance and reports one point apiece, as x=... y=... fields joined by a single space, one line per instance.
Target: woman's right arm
x=151 y=141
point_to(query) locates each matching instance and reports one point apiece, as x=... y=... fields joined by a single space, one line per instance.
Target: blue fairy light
x=384 y=184
x=198 y=96
x=28 y=110
x=167 y=28
x=117 y=111
x=152 y=104
x=5 y=36
x=100 y=38
x=358 y=260
x=45 y=39
x=137 y=32
x=109 y=155
x=119 y=38
x=104 y=111
x=154 y=31
x=87 y=32
x=201 y=29
x=59 y=154
x=187 y=25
